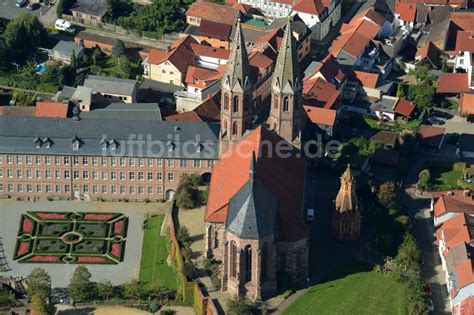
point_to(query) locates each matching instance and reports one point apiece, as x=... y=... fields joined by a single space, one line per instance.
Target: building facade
x=96 y=159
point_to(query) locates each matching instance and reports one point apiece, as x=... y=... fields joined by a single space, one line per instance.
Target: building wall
x=271 y=8
x=87 y=17
x=214 y=42
x=293 y=259
x=191 y=20
x=165 y=72
x=103 y=97
x=93 y=177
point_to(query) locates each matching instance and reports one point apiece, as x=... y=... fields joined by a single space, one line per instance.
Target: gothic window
x=234 y=128
x=226 y=101
x=286 y=104
x=233 y=259
x=248 y=263
x=235 y=106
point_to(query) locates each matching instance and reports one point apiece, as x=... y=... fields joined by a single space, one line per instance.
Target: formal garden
x=71 y=238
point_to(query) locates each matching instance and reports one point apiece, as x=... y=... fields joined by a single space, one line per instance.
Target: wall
x=166 y=72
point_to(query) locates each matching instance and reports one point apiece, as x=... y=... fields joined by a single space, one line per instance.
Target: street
x=8 y=10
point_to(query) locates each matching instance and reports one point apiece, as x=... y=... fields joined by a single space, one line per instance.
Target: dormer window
x=170 y=145
x=76 y=143
x=199 y=147
x=104 y=144
x=113 y=144
x=38 y=143
x=48 y=143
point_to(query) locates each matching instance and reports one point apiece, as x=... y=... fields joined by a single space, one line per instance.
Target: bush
x=459 y=166
x=183 y=236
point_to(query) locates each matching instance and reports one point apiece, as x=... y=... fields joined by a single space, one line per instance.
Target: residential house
x=406 y=14
x=387 y=139
x=273 y=9
x=392 y=108
x=214 y=34
x=200 y=11
x=464 y=58
x=454 y=4
x=452 y=83
x=319 y=15
x=63 y=51
x=89 y=11
x=367 y=82
x=428 y=55
x=322 y=121
x=466 y=105
x=109 y=89
x=430 y=137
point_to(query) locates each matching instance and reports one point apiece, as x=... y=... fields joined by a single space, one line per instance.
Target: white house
x=273 y=9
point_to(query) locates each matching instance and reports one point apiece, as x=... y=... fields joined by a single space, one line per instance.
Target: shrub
x=183 y=236
x=459 y=166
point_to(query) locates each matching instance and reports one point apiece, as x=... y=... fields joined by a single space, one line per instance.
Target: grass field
x=359 y=291
x=443 y=176
x=154 y=271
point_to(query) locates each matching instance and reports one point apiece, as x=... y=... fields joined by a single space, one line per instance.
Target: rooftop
x=111 y=85
x=91 y=7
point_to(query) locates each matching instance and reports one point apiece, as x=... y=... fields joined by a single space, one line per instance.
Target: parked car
x=20 y=3
x=63 y=25
x=310 y=215
x=440 y=114
x=33 y=6
x=435 y=121
x=429 y=304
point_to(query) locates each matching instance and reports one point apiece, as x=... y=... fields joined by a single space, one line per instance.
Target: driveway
x=9 y=11
x=458 y=125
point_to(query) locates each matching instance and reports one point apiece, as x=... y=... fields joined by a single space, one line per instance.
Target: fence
x=188 y=292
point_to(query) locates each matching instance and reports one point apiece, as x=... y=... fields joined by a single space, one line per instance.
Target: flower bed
x=89 y=238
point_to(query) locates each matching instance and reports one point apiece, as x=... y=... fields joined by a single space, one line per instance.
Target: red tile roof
x=314 y=7
x=318 y=92
x=181 y=55
x=465 y=41
x=214 y=30
x=352 y=43
x=320 y=116
x=200 y=77
x=366 y=79
x=452 y=83
x=371 y=15
x=17 y=111
x=259 y=60
x=51 y=109
x=186 y=116
x=430 y=135
x=213 y=12
x=452 y=201
x=209 y=51
x=284 y=177
x=404 y=107
x=407 y=11
x=363 y=27
x=209 y=110
x=466 y=103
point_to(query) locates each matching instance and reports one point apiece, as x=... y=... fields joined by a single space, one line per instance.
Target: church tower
x=286 y=92
x=237 y=94
x=346 y=217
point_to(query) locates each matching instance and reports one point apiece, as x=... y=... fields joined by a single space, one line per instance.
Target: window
x=19 y=188
x=95 y=161
x=170 y=163
x=159 y=176
x=85 y=189
x=29 y=188
x=122 y=175
x=286 y=104
x=57 y=160
x=85 y=174
x=132 y=161
x=38 y=173
x=122 y=189
x=66 y=160
x=19 y=174
x=1 y=159
x=235 y=128
x=150 y=176
x=233 y=259
x=113 y=161
x=141 y=162
x=39 y=188
x=19 y=159
x=122 y=161
x=131 y=175
x=1 y=173
x=47 y=174
x=141 y=190
x=10 y=173
x=159 y=162
x=132 y=189
x=104 y=175
x=10 y=187
x=75 y=175
x=47 y=160
x=48 y=188
x=28 y=159
x=226 y=101
x=85 y=160
x=57 y=174
x=150 y=190
x=235 y=105
x=58 y=188
x=10 y=159
x=104 y=161
x=104 y=189
x=67 y=174
x=140 y=176
x=113 y=175
x=95 y=189
x=75 y=160
x=210 y=163
x=170 y=177
x=158 y=190
x=197 y=163
x=95 y=175
x=113 y=189
x=38 y=160
x=183 y=163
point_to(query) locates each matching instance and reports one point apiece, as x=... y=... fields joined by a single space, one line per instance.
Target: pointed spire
x=287 y=70
x=346 y=199
x=238 y=66
x=253 y=167
x=347 y=176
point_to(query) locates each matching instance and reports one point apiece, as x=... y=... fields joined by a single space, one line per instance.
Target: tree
x=23 y=35
x=133 y=290
x=241 y=305
x=125 y=66
x=105 y=289
x=73 y=63
x=118 y=49
x=3 y=54
x=444 y=65
x=183 y=236
x=424 y=179
x=387 y=195
x=64 y=6
x=401 y=91
x=53 y=74
x=40 y=305
x=80 y=284
x=421 y=73
x=39 y=283
x=23 y=98
x=97 y=56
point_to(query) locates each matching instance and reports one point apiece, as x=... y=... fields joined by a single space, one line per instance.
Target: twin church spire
x=238 y=88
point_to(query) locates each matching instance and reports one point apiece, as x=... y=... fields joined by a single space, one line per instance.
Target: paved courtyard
x=10 y=213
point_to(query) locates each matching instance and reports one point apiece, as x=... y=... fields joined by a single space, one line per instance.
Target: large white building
x=273 y=9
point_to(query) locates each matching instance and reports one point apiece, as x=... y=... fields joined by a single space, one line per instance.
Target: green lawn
x=443 y=177
x=154 y=270
x=357 y=292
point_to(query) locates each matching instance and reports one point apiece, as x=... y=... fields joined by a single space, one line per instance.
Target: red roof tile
x=181 y=55
x=407 y=11
x=453 y=83
x=284 y=177
x=371 y=15
x=320 y=116
x=209 y=51
x=318 y=92
x=452 y=201
x=366 y=79
x=213 y=12
x=186 y=116
x=430 y=135
x=314 y=7
x=214 y=30
x=404 y=107
x=465 y=41
x=51 y=109
x=466 y=103
x=200 y=77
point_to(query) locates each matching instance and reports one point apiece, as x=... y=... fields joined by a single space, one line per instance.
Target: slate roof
x=237 y=73
x=253 y=209
x=110 y=85
x=466 y=142
x=91 y=7
x=124 y=111
x=170 y=139
x=66 y=48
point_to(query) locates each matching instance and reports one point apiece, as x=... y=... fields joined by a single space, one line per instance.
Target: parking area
x=11 y=211
x=8 y=10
